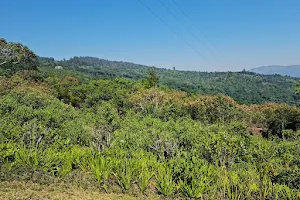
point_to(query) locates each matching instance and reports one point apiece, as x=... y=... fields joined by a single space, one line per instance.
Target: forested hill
x=244 y=87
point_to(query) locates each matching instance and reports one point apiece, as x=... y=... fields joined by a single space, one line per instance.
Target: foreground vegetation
x=133 y=137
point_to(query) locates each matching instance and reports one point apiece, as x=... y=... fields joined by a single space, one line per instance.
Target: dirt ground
x=29 y=190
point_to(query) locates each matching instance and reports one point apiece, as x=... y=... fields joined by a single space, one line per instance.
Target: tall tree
x=153 y=79
x=15 y=56
x=297 y=93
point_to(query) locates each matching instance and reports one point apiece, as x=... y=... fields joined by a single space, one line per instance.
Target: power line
x=185 y=26
x=171 y=29
x=202 y=33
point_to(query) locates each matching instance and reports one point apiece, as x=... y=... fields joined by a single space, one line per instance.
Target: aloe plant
x=125 y=174
x=144 y=177
x=100 y=168
x=164 y=181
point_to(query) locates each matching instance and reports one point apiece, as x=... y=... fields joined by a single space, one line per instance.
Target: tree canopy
x=244 y=87
x=15 y=56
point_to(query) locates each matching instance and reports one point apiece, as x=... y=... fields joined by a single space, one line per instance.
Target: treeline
x=243 y=87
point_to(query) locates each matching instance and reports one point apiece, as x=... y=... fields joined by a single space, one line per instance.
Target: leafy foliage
x=244 y=87
x=15 y=56
x=121 y=135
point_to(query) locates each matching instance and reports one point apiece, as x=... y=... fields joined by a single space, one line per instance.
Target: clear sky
x=241 y=33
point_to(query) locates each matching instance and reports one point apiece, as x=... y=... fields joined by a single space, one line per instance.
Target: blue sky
x=241 y=34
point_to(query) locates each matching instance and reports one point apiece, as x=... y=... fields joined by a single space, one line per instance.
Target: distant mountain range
x=292 y=70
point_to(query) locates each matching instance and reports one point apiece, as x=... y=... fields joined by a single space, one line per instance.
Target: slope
x=244 y=87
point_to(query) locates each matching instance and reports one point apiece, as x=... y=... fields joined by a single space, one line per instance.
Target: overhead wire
x=199 y=30
x=218 y=52
x=174 y=32
x=185 y=26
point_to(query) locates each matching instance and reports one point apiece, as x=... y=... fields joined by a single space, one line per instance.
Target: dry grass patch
x=28 y=190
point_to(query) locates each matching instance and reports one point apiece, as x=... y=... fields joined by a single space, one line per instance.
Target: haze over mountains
x=291 y=70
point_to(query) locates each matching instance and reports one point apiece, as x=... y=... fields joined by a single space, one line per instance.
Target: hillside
x=244 y=87
x=292 y=70
x=15 y=56
x=67 y=135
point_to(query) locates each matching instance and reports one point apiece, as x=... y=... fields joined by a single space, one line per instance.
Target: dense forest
x=244 y=87
x=126 y=131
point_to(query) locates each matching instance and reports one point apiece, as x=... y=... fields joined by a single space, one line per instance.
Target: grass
x=18 y=190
